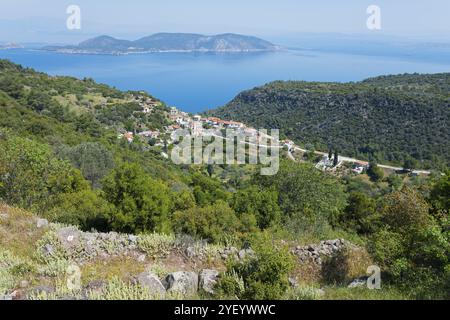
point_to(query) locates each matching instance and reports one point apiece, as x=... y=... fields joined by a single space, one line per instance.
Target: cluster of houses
x=146 y=103
x=184 y=120
x=197 y=124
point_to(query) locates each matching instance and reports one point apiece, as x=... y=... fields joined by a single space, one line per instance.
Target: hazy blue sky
x=44 y=20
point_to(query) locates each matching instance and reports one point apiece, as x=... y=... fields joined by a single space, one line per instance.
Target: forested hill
x=389 y=118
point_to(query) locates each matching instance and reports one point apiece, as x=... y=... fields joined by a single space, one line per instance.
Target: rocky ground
x=42 y=260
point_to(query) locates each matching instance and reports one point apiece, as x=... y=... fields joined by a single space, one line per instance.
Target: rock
x=4 y=216
x=24 y=284
x=152 y=283
x=190 y=252
x=246 y=253
x=293 y=282
x=182 y=282
x=358 y=283
x=41 y=223
x=320 y=292
x=43 y=290
x=95 y=286
x=69 y=237
x=48 y=249
x=6 y=297
x=208 y=279
x=67 y=298
x=133 y=239
x=141 y=258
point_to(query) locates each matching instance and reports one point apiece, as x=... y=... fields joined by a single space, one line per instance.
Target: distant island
x=10 y=46
x=169 y=42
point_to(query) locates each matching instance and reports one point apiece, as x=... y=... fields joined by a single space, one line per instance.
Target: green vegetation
x=263 y=276
x=61 y=158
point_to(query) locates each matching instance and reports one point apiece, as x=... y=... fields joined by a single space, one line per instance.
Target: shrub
x=156 y=245
x=30 y=175
x=142 y=203
x=84 y=209
x=214 y=222
x=375 y=172
x=264 y=276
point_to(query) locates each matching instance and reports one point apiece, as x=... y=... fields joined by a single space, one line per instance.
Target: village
x=199 y=125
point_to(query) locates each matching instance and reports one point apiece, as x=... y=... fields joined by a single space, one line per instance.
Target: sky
x=45 y=20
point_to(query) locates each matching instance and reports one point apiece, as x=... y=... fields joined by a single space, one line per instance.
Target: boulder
x=41 y=223
x=48 y=250
x=69 y=237
x=183 y=282
x=358 y=283
x=207 y=280
x=293 y=282
x=246 y=253
x=151 y=282
x=43 y=290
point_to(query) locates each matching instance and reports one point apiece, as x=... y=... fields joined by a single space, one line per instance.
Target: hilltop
x=170 y=42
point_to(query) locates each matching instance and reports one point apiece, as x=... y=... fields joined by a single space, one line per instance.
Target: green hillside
x=389 y=119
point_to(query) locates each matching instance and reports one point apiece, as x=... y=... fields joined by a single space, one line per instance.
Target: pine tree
x=336 y=158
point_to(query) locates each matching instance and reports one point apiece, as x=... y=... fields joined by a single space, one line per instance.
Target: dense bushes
x=216 y=222
x=308 y=198
x=31 y=176
x=411 y=247
x=91 y=158
x=141 y=203
x=264 y=276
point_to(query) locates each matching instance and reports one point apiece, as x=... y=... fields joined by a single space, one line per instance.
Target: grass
x=18 y=232
x=343 y=293
x=120 y=267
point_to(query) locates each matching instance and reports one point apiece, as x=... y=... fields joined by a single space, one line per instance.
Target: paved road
x=347 y=159
x=342 y=158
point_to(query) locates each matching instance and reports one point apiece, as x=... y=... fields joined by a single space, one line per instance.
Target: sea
x=196 y=82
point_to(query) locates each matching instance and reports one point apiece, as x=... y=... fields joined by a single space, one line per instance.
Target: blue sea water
x=195 y=82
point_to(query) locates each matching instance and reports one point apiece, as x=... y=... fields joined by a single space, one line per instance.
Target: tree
x=330 y=154
x=32 y=177
x=412 y=249
x=440 y=193
x=375 y=172
x=395 y=181
x=305 y=192
x=84 y=208
x=409 y=164
x=406 y=211
x=142 y=204
x=360 y=214
x=210 y=170
x=262 y=204
x=92 y=158
x=336 y=158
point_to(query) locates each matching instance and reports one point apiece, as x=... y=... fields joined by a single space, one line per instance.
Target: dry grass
x=19 y=232
x=122 y=268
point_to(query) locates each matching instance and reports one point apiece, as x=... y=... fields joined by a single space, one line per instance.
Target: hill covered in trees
x=389 y=118
x=61 y=159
